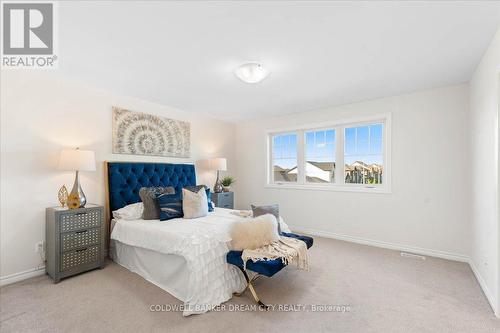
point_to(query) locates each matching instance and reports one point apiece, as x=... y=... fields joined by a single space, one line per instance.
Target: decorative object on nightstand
x=223 y=200
x=74 y=240
x=62 y=195
x=218 y=164
x=77 y=160
x=227 y=182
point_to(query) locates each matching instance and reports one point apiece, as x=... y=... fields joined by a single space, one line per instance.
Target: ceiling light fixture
x=251 y=72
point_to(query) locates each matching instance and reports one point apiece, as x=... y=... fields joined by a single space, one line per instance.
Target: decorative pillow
x=283 y=226
x=270 y=209
x=209 y=200
x=254 y=233
x=197 y=188
x=194 y=204
x=148 y=196
x=129 y=212
x=170 y=206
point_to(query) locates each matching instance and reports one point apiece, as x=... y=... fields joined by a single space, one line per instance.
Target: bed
x=187 y=258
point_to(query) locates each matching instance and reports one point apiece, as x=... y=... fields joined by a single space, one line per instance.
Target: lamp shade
x=77 y=160
x=217 y=164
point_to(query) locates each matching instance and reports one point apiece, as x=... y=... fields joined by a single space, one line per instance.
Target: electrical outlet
x=39 y=247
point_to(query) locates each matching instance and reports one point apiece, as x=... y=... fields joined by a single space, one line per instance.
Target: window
x=320 y=156
x=285 y=158
x=363 y=154
x=351 y=156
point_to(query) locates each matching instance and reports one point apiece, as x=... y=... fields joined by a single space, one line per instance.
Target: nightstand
x=223 y=199
x=74 y=240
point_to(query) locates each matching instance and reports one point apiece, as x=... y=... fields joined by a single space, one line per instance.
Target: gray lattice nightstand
x=74 y=240
x=223 y=199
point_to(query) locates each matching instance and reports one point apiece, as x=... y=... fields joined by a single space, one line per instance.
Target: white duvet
x=203 y=242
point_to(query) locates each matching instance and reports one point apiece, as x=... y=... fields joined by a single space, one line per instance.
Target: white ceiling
x=320 y=54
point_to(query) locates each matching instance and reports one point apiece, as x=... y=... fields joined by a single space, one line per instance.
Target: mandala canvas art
x=139 y=133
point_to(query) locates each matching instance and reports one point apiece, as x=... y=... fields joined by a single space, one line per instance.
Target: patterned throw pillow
x=129 y=212
x=197 y=188
x=194 y=204
x=270 y=209
x=170 y=206
x=194 y=188
x=148 y=196
x=209 y=200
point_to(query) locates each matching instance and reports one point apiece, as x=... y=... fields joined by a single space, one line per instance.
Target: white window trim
x=385 y=187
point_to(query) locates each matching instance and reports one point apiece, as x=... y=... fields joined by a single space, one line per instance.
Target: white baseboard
x=489 y=295
x=16 y=277
x=385 y=245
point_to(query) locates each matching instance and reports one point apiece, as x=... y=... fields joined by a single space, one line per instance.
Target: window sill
x=332 y=188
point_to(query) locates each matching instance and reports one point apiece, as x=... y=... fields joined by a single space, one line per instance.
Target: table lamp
x=218 y=164
x=77 y=160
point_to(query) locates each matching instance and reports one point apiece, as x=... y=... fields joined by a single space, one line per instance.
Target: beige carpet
x=385 y=293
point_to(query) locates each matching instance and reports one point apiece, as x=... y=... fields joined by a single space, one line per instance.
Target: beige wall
x=426 y=213
x=484 y=120
x=40 y=115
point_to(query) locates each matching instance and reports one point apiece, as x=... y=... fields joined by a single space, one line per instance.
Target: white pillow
x=254 y=233
x=129 y=212
x=194 y=204
x=284 y=227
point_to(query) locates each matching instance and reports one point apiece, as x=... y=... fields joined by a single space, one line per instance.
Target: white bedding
x=203 y=242
x=167 y=271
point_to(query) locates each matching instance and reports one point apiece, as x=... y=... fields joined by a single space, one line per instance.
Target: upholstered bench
x=263 y=267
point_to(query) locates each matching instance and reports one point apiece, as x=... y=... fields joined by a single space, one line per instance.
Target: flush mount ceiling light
x=251 y=72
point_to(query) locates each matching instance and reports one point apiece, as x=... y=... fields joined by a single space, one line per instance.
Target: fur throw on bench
x=254 y=233
x=259 y=240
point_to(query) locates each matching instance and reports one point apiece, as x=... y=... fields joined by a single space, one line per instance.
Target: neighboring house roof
x=278 y=168
x=360 y=164
x=325 y=166
x=363 y=165
x=317 y=172
x=281 y=174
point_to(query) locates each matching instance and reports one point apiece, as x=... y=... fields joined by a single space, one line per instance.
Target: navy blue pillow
x=170 y=206
x=209 y=200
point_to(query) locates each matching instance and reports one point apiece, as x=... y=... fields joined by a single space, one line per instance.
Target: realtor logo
x=28 y=29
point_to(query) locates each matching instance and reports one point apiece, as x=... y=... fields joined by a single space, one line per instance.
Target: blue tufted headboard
x=125 y=179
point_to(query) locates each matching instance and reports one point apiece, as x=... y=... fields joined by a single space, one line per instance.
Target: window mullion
x=340 y=165
x=301 y=165
x=270 y=168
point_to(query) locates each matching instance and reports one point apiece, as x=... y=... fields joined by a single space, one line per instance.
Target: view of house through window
x=346 y=154
x=284 y=151
x=320 y=156
x=363 y=154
